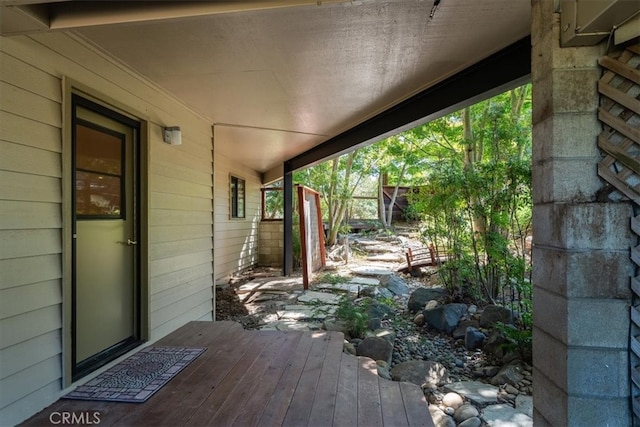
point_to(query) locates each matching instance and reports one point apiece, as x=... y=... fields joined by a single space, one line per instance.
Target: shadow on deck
x=264 y=378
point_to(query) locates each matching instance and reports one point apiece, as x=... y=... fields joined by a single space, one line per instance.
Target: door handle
x=131 y=242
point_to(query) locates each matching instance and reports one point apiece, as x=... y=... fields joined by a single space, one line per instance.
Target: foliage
x=354 y=316
x=518 y=340
x=332 y=279
x=476 y=205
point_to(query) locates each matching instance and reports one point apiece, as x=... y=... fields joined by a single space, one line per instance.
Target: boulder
x=335 y=325
x=383 y=369
x=473 y=338
x=445 y=318
x=419 y=319
x=420 y=372
x=376 y=348
x=511 y=374
x=461 y=330
x=422 y=296
x=396 y=285
x=379 y=310
x=349 y=348
x=387 y=334
x=495 y=313
x=493 y=345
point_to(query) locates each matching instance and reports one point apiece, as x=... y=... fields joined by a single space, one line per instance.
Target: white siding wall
x=180 y=219
x=236 y=240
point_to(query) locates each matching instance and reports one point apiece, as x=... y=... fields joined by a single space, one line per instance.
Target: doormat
x=139 y=376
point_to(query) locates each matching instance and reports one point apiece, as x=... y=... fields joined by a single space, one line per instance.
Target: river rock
x=420 y=372
x=473 y=338
x=465 y=412
x=471 y=422
x=440 y=419
x=452 y=400
x=421 y=296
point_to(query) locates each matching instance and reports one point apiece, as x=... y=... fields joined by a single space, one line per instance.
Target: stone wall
x=270 y=244
x=581 y=243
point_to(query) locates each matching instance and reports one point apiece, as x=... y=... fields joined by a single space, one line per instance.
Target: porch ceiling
x=277 y=80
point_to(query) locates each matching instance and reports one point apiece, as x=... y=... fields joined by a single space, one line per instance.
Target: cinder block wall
x=581 y=257
x=270 y=244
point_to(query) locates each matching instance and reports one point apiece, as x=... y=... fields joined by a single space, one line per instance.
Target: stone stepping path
x=366 y=281
x=372 y=271
x=319 y=297
x=350 y=288
x=386 y=258
x=291 y=325
x=298 y=312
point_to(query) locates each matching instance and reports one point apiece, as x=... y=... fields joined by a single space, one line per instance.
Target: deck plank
x=266 y=385
x=276 y=408
x=271 y=378
x=369 y=407
x=415 y=405
x=393 y=413
x=217 y=361
x=245 y=386
x=345 y=413
x=180 y=390
x=300 y=407
x=326 y=393
x=210 y=406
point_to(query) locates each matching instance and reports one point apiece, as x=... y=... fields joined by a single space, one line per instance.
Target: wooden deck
x=264 y=378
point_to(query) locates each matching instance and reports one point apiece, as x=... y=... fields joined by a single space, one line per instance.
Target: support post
x=287 y=264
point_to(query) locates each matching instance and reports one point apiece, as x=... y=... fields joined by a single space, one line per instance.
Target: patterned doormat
x=139 y=376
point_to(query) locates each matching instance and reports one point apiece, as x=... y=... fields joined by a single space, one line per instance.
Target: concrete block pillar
x=581 y=260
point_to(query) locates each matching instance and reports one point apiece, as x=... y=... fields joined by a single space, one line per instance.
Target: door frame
x=71 y=88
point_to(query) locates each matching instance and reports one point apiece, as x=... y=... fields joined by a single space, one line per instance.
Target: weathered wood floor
x=264 y=378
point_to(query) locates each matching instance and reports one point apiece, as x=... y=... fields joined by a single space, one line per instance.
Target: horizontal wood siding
x=180 y=182
x=236 y=240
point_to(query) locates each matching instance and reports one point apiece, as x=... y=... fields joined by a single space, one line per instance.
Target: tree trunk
x=395 y=196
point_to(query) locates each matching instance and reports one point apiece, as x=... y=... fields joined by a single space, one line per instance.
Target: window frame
x=237 y=185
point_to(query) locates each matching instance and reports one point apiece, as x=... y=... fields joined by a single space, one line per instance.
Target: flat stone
x=340 y=287
x=291 y=325
x=505 y=416
x=372 y=271
x=524 y=404
x=321 y=297
x=376 y=249
x=305 y=312
x=386 y=258
x=363 y=242
x=480 y=394
x=365 y=281
x=272 y=284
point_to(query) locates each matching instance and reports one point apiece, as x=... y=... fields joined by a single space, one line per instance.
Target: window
x=99 y=173
x=237 y=197
x=272 y=203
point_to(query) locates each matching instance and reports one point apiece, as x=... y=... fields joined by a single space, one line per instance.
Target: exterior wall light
x=172 y=135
